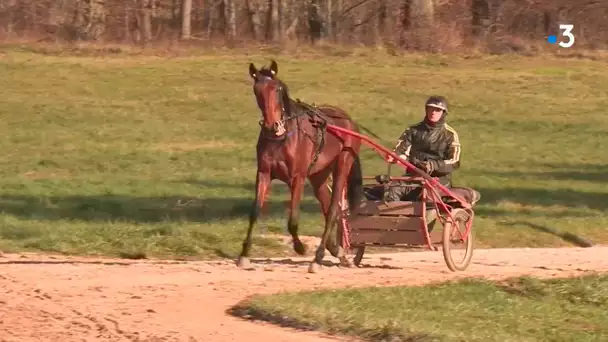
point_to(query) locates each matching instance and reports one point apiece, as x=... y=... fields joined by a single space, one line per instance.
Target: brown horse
x=293 y=146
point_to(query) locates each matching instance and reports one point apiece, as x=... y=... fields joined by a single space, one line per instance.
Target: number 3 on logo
x=567 y=33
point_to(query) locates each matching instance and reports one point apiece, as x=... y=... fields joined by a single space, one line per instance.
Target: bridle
x=278 y=132
x=280 y=126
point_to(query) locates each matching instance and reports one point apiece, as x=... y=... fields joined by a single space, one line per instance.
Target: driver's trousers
x=399 y=191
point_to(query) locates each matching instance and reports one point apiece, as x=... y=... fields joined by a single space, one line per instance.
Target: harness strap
x=320 y=124
x=320 y=143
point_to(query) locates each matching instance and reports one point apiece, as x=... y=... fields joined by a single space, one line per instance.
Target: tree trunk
x=127 y=26
x=222 y=21
x=11 y=9
x=480 y=17
x=210 y=19
x=186 y=28
x=290 y=18
x=329 y=32
x=145 y=21
x=231 y=18
x=272 y=21
x=422 y=13
x=254 y=10
x=337 y=21
x=315 y=21
x=280 y=19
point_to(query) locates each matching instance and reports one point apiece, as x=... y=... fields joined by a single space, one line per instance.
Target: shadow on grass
x=277 y=187
x=245 y=310
x=591 y=173
x=142 y=209
x=566 y=236
x=481 y=211
x=210 y=183
x=545 y=197
x=210 y=209
x=572 y=172
x=252 y=314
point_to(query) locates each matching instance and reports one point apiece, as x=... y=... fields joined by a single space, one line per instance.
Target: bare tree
x=272 y=21
x=254 y=10
x=231 y=18
x=315 y=20
x=144 y=19
x=409 y=24
x=480 y=16
x=186 y=11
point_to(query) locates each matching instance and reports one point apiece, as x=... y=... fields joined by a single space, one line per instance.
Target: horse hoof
x=345 y=263
x=299 y=247
x=243 y=262
x=314 y=267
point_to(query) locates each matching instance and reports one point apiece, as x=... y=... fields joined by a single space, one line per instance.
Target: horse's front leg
x=261 y=186
x=296 y=187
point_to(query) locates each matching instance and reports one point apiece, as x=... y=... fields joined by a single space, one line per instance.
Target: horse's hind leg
x=296 y=187
x=322 y=191
x=339 y=182
x=262 y=183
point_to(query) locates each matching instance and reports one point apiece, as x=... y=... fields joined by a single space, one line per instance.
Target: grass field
x=152 y=156
x=517 y=309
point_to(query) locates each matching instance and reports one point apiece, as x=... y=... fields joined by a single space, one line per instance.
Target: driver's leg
x=396 y=191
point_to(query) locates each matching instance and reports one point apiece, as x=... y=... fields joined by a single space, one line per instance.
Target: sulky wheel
x=452 y=241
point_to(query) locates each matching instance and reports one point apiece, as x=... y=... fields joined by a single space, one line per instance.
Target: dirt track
x=77 y=299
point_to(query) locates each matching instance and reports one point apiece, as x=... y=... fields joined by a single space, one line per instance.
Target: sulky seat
x=375 y=192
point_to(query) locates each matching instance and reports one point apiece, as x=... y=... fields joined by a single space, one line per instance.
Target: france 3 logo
x=567 y=34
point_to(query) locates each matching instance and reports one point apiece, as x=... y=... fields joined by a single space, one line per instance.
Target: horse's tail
x=354 y=184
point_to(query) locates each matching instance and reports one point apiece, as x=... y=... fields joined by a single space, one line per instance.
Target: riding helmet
x=437 y=102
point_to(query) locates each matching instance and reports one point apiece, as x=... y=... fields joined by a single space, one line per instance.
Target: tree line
x=437 y=25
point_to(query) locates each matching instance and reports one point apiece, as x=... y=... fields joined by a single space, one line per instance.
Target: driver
x=431 y=145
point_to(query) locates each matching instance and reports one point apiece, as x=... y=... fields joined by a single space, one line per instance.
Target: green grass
x=155 y=156
x=518 y=309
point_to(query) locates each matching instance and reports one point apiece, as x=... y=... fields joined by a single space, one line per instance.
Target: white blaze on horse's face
x=267 y=95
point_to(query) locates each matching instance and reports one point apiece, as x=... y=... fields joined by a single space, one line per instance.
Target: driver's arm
x=404 y=144
x=453 y=162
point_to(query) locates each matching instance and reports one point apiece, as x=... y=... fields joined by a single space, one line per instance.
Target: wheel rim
x=457 y=252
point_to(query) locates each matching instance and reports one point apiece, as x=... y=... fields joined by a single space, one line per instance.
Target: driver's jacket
x=438 y=144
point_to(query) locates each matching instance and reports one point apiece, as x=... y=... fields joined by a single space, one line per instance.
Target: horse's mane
x=293 y=107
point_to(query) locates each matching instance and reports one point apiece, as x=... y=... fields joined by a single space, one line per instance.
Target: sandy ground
x=48 y=298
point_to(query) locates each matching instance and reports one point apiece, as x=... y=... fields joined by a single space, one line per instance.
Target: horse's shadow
x=289 y=262
x=326 y=263
x=381 y=267
x=64 y=262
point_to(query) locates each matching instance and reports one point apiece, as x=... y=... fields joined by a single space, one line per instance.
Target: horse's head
x=272 y=97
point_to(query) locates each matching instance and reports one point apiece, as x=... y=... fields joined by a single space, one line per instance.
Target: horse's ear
x=274 y=68
x=253 y=71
